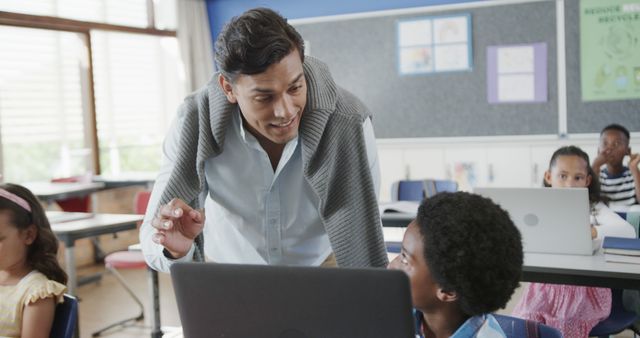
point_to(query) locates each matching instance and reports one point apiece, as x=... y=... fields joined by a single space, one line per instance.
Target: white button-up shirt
x=254 y=215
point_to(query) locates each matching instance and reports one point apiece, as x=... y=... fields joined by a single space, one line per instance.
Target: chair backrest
x=74 y=204
x=65 y=318
x=515 y=327
x=407 y=190
x=417 y=190
x=432 y=187
x=141 y=200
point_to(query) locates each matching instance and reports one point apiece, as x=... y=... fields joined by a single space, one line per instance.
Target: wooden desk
x=52 y=191
x=93 y=225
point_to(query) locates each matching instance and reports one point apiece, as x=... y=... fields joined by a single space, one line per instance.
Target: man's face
x=614 y=146
x=271 y=102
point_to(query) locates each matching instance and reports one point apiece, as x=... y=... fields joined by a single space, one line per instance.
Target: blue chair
x=417 y=190
x=619 y=320
x=65 y=319
x=432 y=187
x=407 y=190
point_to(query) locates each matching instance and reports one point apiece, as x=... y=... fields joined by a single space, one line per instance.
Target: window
x=118 y=12
x=138 y=89
x=41 y=104
x=47 y=125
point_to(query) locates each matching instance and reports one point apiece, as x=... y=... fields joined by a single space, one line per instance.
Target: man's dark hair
x=253 y=41
x=472 y=248
x=617 y=127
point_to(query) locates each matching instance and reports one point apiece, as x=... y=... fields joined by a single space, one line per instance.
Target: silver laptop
x=228 y=300
x=551 y=220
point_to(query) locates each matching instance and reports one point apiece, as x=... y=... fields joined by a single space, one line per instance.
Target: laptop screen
x=551 y=220
x=227 y=300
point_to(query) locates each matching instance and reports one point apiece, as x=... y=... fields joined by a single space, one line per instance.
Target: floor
x=106 y=302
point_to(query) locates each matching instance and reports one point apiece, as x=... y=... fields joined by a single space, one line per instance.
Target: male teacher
x=280 y=159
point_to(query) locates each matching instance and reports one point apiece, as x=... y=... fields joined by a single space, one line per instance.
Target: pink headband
x=15 y=199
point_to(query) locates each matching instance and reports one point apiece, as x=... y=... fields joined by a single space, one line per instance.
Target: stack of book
x=622 y=250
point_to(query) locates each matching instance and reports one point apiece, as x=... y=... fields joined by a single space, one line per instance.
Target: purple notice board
x=520 y=76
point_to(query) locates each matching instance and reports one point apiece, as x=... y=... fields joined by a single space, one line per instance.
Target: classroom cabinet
x=520 y=162
x=509 y=166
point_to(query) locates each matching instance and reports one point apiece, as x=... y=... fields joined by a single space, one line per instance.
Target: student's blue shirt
x=481 y=326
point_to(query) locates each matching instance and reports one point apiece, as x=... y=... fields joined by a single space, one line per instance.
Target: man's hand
x=178 y=225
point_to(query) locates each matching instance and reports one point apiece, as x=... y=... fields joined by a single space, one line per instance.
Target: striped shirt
x=620 y=189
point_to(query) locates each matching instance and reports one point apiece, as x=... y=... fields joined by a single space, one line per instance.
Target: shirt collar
x=481 y=326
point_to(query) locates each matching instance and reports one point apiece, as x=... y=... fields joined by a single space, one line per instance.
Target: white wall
x=510 y=161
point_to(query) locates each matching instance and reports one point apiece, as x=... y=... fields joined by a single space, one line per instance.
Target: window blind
x=41 y=114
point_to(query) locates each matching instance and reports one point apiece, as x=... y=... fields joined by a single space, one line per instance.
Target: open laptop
x=551 y=220
x=228 y=300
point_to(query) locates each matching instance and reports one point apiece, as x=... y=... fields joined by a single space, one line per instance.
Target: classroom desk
x=51 y=191
x=126 y=180
x=93 y=225
x=559 y=269
x=580 y=270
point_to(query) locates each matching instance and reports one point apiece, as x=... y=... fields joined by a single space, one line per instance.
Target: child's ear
x=547 y=177
x=589 y=179
x=30 y=234
x=446 y=296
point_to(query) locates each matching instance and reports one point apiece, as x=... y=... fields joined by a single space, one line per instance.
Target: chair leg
x=135 y=298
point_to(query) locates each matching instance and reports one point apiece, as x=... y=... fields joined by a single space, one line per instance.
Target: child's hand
x=594 y=232
x=601 y=158
x=634 y=159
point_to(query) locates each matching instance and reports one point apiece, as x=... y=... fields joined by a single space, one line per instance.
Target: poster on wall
x=434 y=44
x=465 y=174
x=517 y=73
x=610 y=49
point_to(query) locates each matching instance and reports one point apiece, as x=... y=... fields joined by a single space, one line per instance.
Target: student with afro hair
x=463 y=256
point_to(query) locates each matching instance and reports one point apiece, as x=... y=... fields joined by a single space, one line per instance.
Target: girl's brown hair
x=42 y=253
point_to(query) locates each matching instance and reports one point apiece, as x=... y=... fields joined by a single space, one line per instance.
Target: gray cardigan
x=334 y=160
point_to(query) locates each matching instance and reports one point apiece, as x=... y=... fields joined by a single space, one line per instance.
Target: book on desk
x=622 y=250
